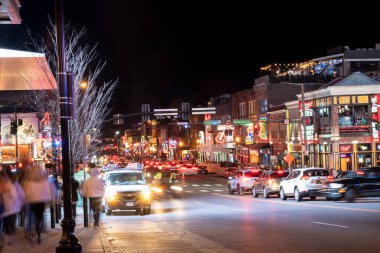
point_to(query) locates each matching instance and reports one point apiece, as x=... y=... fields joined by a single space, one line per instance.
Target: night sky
x=161 y=50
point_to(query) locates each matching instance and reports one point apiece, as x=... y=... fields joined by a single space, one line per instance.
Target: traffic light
x=13 y=127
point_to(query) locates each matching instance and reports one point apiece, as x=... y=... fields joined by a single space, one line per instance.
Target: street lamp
x=83 y=85
x=69 y=242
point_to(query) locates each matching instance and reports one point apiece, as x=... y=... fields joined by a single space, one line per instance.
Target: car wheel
x=313 y=197
x=350 y=195
x=240 y=190
x=282 y=194
x=230 y=191
x=265 y=193
x=146 y=211
x=254 y=193
x=297 y=195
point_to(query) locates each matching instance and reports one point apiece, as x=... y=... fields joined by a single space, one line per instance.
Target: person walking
x=74 y=195
x=93 y=189
x=13 y=202
x=38 y=193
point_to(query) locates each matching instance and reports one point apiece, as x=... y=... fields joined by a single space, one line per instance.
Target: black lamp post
x=69 y=242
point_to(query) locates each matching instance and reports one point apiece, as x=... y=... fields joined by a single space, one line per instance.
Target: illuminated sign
x=242 y=121
x=263 y=131
x=212 y=122
x=220 y=138
x=345 y=148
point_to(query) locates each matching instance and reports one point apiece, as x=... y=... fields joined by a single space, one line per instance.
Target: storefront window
x=353 y=118
x=323 y=115
x=364 y=160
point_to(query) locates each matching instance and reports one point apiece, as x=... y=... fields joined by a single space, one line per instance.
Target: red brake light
x=360 y=173
x=280 y=172
x=255 y=170
x=305 y=177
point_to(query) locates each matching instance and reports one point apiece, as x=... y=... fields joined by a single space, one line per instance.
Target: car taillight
x=305 y=177
x=330 y=178
x=360 y=173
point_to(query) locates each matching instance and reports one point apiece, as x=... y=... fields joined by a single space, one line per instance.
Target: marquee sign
x=345 y=148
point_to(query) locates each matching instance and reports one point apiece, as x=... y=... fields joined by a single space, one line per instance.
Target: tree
x=91 y=103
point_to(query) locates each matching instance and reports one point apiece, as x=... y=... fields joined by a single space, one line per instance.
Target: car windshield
x=279 y=174
x=316 y=173
x=252 y=173
x=125 y=179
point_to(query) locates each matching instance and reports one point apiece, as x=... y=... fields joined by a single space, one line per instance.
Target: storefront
x=320 y=155
x=346 y=157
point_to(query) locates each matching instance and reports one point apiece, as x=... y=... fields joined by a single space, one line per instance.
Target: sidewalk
x=92 y=239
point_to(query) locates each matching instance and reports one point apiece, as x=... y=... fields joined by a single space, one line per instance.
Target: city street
x=207 y=219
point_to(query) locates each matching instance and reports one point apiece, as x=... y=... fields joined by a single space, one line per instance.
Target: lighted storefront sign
x=249 y=137
x=347 y=148
x=220 y=138
x=241 y=122
x=212 y=122
x=364 y=147
x=172 y=143
x=263 y=131
x=375 y=115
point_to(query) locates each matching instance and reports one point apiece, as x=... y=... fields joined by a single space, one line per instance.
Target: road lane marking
x=199 y=203
x=189 y=191
x=218 y=190
x=204 y=190
x=243 y=210
x=195 y=184
x=328 y=224
x=207 y=185
x=219 y=184
x=300 y=204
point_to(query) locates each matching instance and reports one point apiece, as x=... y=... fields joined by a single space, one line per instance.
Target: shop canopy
x=21 y=70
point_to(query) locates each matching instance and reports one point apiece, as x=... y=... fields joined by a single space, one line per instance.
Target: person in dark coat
x=74 y=195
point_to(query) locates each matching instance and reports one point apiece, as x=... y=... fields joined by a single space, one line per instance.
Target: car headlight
x=176 y=188
x=156 y=189
x=146 y=194
x=111 y=194
x=336 y=186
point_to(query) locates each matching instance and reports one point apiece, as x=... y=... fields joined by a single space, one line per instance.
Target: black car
x=202 y=170
x=364 y=183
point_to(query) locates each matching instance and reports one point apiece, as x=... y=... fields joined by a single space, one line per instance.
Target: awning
x=21 y=70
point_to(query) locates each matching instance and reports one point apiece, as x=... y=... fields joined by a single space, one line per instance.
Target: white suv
x=242 y=181
x=303 y=183
x=126 y=190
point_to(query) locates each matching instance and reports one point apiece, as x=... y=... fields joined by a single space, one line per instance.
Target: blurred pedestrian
x=74 y=195
x=28 y=214
x=93 y=189
x=38 y=193
x=13 y=202
x=1 y=210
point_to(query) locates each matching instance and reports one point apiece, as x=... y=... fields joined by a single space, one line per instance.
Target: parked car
x=269 y=183
x=188 y=169
x=363 y=183
x=126 y=190
x=242 y=181
x=304 y=182
x=202 y=170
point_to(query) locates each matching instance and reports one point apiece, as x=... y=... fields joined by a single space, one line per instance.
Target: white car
x=126 y=190
x=188 y=169
x=242 y=181
x=304 y=182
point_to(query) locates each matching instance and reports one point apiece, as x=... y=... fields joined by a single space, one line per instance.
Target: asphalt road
x=207 y=219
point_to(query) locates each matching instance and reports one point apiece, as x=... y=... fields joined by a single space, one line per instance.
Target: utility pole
x=304 y=144
x=69 y=243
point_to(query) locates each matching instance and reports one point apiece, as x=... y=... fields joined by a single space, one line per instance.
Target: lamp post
x=69 y=242
x=237 y=142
